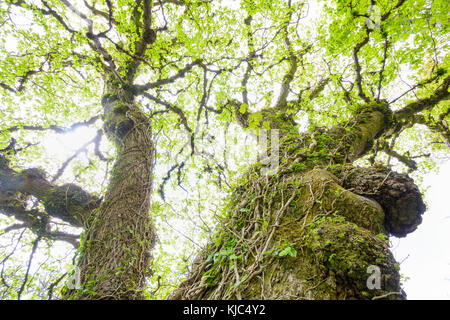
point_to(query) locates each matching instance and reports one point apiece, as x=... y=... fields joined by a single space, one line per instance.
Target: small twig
x=158 y=286
x=386 y=295
x=33 y=250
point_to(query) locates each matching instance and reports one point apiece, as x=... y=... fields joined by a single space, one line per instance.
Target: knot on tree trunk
x=397 y=194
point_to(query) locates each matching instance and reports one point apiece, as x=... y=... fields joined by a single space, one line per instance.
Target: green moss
x=319 y=249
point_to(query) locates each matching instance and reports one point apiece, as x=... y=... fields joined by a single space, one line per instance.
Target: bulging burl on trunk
x=397 y=194
x=308 y=235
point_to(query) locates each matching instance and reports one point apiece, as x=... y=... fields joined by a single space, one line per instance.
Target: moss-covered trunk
x=318 y=228
x=115 y=252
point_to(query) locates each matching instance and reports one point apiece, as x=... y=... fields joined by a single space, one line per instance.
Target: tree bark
x=115 y=252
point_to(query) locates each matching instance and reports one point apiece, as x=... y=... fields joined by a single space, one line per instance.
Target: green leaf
x=218 y=241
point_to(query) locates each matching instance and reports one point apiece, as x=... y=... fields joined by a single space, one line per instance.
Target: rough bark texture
x=115 y=254
x=312 y=230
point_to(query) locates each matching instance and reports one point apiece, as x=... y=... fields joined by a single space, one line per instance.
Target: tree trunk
x=115 y=252
x=318 y=228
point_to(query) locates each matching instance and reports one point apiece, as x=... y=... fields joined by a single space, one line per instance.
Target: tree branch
x=30 y=260
x=68 y=202
x=386 y=45
x=95 y=140
x=57 y=129
x=252 y=55
x=108 y=16
x=180 y=74
x=410 y=163
x=440 y=94
x=358 y=79
x=440 y=126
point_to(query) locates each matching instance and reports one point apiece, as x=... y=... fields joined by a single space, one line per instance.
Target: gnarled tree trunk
x=318 y=228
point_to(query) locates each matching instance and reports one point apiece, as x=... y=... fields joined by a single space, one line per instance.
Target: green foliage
x=288 y=250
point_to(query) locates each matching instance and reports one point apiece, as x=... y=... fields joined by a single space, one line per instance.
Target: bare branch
x=180 y=74
x=83 y=148
x=147 y=4
x=30 y=260
x=54 y=284
x=252 y=55
x=56 y=128
x=410 y=163
x=440 y=126
x=53 y=13
x=440 y=94
x=72 y=8
x=358 y=79
x=7 y=87
x=420 y=84
x=12 y=227
x=386 y=45
x=293 y=63
x=108 y=16
x=172 y=108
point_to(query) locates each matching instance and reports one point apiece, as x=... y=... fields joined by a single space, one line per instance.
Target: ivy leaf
x=243 y=108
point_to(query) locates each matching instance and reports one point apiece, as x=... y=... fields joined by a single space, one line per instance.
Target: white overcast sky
x=426 y=251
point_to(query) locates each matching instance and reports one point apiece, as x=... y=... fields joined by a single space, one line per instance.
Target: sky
x=425 y=252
